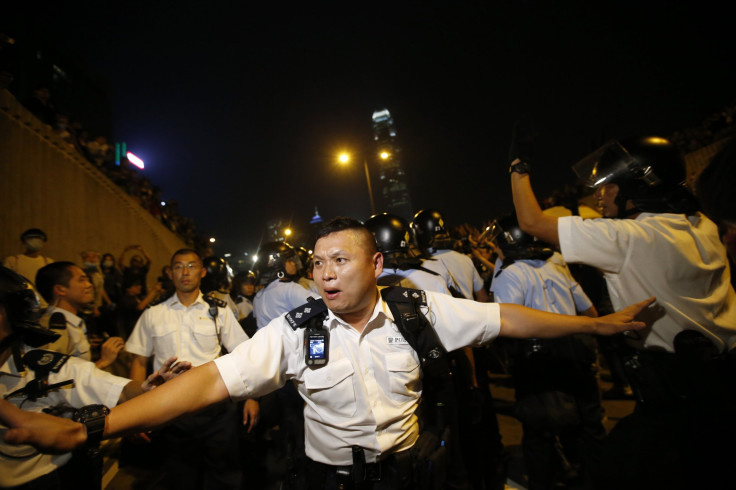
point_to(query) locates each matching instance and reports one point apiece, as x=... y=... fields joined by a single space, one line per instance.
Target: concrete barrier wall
x=45 y=183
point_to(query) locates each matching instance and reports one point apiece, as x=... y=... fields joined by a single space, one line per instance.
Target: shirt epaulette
x=403 y=295
x=299 y=316
x=45 y=360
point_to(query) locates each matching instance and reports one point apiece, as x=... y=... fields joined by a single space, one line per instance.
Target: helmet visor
x=607 y=164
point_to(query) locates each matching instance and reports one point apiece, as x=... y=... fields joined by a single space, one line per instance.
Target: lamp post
x=344 y=158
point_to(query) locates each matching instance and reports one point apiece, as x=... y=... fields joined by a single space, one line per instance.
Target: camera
x=316 y=346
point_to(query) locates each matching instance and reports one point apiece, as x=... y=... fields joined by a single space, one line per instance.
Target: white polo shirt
x=679 y=260
x=367 y=394
x=21 y=464
x=187 y=332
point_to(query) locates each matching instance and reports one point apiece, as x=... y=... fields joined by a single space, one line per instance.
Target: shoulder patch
x=45 y=360
x=404 y=295
x=298 y=317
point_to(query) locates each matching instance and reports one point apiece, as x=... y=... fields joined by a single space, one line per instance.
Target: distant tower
x=392 y=189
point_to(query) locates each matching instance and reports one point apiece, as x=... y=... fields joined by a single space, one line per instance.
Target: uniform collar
x=380 y=310
x=174 y=302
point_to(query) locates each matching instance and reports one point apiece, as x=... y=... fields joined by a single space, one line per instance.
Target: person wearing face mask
x=28 y=263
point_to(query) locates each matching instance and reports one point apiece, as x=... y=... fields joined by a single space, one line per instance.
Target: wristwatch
x=521 y=167
x=93 y=417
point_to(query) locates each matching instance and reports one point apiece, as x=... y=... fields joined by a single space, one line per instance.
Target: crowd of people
x=102 y=154
x=324 y=348
x=366 y=362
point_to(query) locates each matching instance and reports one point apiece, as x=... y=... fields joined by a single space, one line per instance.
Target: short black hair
x=342 y=223
x=52 y=274
x=183 y=251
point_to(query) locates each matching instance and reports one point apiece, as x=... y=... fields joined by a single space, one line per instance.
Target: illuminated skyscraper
x=393 y=193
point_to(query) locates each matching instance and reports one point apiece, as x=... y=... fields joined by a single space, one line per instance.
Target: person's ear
x=60 y=290
x=377 y=264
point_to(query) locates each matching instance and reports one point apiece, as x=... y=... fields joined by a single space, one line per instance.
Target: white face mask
x=34 y=244
x=108 y=263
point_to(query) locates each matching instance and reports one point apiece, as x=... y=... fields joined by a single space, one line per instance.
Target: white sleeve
x=462 y=322
x=601 y=243
x=91 y=385
x=261 y=365
x=139 y=342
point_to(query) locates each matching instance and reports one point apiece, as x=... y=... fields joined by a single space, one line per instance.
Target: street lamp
x=344 y=159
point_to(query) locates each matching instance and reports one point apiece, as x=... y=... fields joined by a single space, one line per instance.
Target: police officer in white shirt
x=46 y=380
x=190 y=328
x=366 y=393
x=652 y=241
x=433 y=239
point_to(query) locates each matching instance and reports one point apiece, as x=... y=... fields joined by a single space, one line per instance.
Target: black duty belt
x=360 y=471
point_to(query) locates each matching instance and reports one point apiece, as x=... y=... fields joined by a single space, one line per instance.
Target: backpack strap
x=404 y=304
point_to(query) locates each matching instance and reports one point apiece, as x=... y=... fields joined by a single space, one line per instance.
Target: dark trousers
x=395 y=474
x=682 y=432
x=201 y=450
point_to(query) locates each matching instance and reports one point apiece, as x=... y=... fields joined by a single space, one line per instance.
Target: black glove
x=523 y=139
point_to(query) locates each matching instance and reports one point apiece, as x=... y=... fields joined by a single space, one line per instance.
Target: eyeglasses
x=180 y=267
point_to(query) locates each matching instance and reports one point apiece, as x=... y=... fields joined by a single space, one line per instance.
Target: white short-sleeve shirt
x=278 y=298
x=545 y=285
x=413 y=279
x=91 y=386
x=187 y=332
x=679 y=260
x=367 y=393
x=73 y=340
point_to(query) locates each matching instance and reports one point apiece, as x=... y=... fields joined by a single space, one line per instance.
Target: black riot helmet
x=429 y=230
x=393 y=239
x=391 y=232
x=218 y=274
x=271 y=263
x=506 y=233
x=649 y=171
x=22 y=309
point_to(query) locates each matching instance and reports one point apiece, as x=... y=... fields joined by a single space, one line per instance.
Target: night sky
x=239 y=110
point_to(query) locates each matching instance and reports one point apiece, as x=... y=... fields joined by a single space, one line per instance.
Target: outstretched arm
x=531 y=218
x=194 y=390
x=47 y=433
x=521 y=322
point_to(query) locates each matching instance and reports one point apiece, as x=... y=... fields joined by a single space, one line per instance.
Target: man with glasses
x=195 y=331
